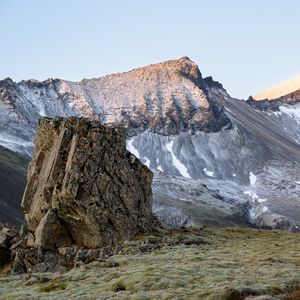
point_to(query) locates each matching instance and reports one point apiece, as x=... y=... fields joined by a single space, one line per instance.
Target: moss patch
x=52 y=287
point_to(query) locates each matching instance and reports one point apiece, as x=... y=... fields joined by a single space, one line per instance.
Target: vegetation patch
x=52 y=287
x=118 y=287
x=231 y=264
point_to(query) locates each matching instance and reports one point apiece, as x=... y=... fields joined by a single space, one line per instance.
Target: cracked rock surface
x=83 y=187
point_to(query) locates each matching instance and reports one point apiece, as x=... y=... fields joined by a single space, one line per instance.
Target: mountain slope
x=12 y=184
x=287 y=90
x=165 y=98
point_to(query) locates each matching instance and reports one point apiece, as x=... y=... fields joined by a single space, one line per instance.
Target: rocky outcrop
x=82 y=178
x=84 y=190
x=274 y=104
x=7 y=235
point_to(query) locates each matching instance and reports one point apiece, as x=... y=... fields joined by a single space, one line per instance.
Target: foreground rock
x=7 y=235
x=84 y=191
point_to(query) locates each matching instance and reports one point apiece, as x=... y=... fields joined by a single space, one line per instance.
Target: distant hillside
x=12 y=184
x=287 y=89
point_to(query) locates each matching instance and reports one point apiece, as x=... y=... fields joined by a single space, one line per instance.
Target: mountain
x=165 y=98
x=217 y=160
x=287 y=90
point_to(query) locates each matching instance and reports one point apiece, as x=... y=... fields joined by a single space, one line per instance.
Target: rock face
x=7 y=234
x=83 y=187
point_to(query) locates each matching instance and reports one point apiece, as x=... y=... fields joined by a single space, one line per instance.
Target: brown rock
x=84 y=186
x=4 y=257
x=50 y=233
x=7 y=235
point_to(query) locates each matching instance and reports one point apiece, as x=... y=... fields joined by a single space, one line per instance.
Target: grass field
x=205 y=263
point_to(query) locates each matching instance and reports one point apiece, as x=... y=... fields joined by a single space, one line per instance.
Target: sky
x=247 y=45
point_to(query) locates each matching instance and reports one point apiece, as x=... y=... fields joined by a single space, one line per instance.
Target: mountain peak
x=184 y=66
x=285 y=89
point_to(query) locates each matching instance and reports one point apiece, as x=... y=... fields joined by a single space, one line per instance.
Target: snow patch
x=293 y=112
x=132 y=149
x=186 y=199
x=71 y=104
x=252 y=178
x=255 y=197
x=146 y=161
x=264 y=209
x=277 y=113
x=252 y=195
x=42 y=112
x=259 y=200
x=11 y=141
x=176 y=162
x=159 y=168
x=251 y=213
x=16 y=144
x=208 y=173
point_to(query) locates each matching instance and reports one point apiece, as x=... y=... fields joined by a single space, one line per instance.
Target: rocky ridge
x=166 y=98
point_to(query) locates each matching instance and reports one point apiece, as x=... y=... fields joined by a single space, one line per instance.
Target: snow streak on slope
x=288 y=119
x=208 y=173
x=252 y=178
x=176 y=162
x=293 y=112
x=132 y=149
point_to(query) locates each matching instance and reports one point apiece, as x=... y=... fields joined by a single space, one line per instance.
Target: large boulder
x=83 y=187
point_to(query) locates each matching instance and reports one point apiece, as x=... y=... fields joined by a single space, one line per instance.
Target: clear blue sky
x=246 y=45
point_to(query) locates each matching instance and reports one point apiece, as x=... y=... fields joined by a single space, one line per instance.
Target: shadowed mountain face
x=237 y=161
x=12 y=183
